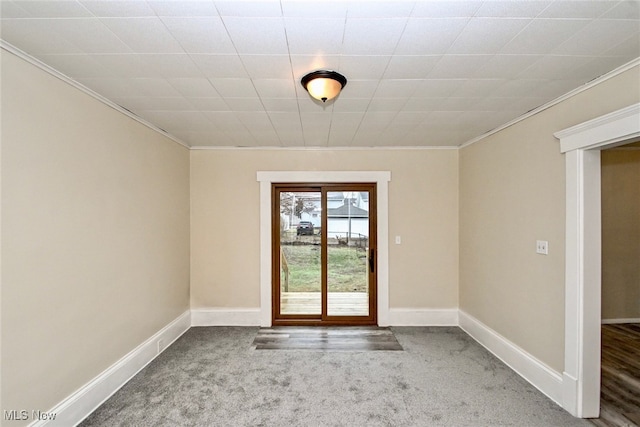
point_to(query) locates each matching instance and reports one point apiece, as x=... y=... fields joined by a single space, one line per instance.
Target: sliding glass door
x=324 y=255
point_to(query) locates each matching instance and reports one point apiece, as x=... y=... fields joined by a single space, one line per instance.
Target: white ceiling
x=420 y=73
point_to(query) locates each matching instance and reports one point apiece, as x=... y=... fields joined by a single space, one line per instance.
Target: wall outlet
x=542 y=247
x=398 y=240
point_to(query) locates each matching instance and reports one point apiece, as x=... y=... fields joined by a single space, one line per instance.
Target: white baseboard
x=225 y=317
x=617 y=321
x=423 y=317
x=75 y=408
x=541 y=376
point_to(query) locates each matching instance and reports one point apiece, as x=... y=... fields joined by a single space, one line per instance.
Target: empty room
x=319 y=213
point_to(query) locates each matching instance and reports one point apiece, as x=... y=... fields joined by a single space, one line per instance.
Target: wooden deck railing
x=285 y=267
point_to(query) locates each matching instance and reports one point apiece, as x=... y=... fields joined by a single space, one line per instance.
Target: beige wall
x=95 y=243
x=621 y=234
x=423 y=210
x=511 y=194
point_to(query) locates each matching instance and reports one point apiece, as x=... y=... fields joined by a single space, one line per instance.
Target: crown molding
x=57 y=74
x=407 y=148
x=586 y=86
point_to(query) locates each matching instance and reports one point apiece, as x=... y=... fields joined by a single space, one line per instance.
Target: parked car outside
x=305 y=228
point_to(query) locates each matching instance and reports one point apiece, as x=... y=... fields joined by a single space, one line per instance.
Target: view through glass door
x=324 y=254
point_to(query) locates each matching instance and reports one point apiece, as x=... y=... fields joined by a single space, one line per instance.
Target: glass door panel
x=323 y=254
x=300 y=253
x=347 y=253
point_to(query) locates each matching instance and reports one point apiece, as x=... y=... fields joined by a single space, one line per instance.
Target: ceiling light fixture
x=324 y=85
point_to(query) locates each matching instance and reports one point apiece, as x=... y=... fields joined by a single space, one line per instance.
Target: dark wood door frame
x=323 y=319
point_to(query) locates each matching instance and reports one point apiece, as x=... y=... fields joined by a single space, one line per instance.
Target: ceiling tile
x=12 y=9
x=410 y=67
x=363 y=67
x=244 y=104
x=126 y=65
x=54 y=9
x=275 y=88
x=542 y=36
x=429 y=36
x=386 y=104
x=247 y=8
x=550 y=66
x=196 y=88
x=115 y=8
x=476 y=88
x=102 y=40
x=372 y=36
x=576 y=9
x=445 y=9
x=358 y=89
x=183 y=8
x=628 y=49
x=144 y=35
x=208 y=104
x=256 y=120
x=515 y=9
x=292 y=138
x=599 y=36
x=76 y=66
x=396 y=88
x=36 y=36
x=506 y=66
x=219 y=66
x=200 y=35
x=303 y=64
x=458 y=66
x=486 y=35
x=380 y=8
x=153 y=87
x=225 y=121
x=629 y=9
x=237 y=88
x=314 y=8
x=377 y=120
x=426 y=73
x=155 y=103
x=267 y=66
x=257 y=35
x=285 y=121
x=173 y=66
x=110 y=87
x=351 y=105
x=438 y=87
x=276 y=105
x=321 y=36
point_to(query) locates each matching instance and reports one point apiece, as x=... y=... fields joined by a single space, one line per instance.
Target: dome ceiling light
x=324 y=85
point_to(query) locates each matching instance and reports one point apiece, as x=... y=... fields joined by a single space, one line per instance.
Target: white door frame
x=581 y=145
x=380 y=178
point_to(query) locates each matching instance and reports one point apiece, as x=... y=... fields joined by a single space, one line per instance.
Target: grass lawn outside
x=347 y=267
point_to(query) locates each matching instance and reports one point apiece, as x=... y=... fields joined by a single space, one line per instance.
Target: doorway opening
x=581 y=145
x=324 y=254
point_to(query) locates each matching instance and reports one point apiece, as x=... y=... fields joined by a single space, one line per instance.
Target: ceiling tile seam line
x=625 y=67
x=224 y=25
x=395 y=48
x=194 y=63
x=286 y=37
x=63 y=77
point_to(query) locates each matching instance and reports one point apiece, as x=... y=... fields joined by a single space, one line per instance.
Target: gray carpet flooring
x=213 y=377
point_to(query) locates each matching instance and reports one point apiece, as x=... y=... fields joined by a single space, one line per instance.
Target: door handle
x=371 y=260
